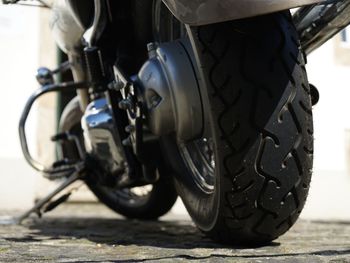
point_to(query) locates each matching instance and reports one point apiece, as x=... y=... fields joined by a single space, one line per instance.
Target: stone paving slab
x=92 y=233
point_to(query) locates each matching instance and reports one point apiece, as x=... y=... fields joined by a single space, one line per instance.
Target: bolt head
x=44 y=76
x=127 y=141
x=152 y=49
x=116 y=85
x=130 y=128
x=125 y=104
x=152 y=46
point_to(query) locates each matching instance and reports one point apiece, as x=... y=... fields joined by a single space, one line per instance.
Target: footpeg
x=52 y=205
x=60 y=137
x=66 y=136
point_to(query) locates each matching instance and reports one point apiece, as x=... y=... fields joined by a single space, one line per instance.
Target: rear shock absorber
x=96 y=72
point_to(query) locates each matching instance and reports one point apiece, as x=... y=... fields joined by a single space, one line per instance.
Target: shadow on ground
x=167 y=234
x=110 y=231
x=122 y=240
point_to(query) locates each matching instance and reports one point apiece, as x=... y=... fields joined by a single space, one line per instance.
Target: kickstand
x=76 y=175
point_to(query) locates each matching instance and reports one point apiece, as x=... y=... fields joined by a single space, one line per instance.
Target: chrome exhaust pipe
x=318 y=23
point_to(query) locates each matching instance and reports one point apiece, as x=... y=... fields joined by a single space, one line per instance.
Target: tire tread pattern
x=259 y=95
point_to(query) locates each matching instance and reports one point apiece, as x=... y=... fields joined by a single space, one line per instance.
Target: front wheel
x=246 y=180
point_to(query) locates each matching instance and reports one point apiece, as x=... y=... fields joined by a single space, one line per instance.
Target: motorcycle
x=208 y=100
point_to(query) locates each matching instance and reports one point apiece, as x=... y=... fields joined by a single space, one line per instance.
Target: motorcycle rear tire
x=256 y=96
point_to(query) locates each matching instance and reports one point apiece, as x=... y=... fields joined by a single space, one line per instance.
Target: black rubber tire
x=256 y=96
x=159 y=202
x=161 y=198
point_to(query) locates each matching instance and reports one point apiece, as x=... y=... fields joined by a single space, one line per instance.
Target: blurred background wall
x=26 y=43
x=329 y=70
x=19 y=58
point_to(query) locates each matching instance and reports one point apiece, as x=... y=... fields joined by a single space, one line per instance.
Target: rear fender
x=201 y=12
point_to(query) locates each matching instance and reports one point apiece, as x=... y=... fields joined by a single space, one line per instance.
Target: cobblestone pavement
x=92 y=233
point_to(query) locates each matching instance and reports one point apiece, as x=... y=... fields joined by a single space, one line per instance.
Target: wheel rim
x=198 y=155
x=199 y=158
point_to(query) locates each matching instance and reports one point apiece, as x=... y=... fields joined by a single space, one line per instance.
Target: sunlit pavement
x=92 y=233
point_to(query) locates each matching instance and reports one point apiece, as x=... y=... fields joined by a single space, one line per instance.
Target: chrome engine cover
x=101 y=137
